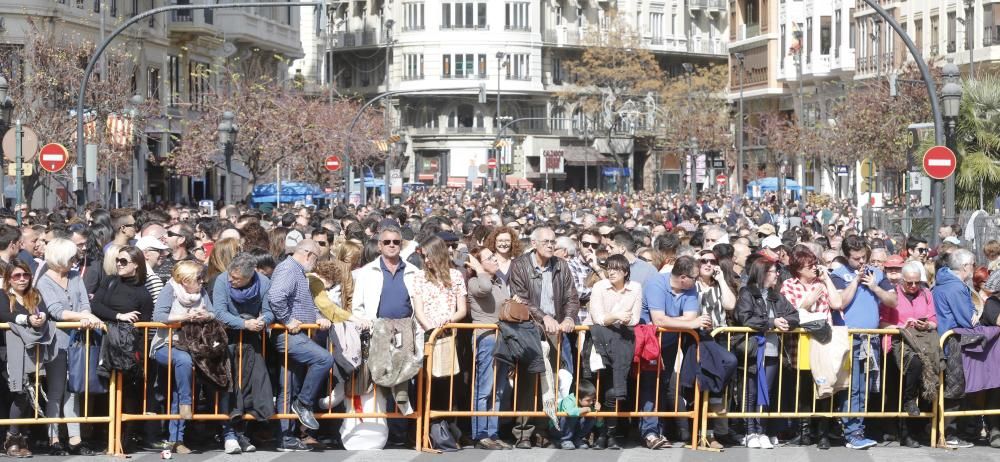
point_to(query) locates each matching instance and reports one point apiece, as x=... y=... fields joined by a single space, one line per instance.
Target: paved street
x=792 y=454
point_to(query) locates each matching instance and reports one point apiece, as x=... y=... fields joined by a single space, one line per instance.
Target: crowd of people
x=276 y=310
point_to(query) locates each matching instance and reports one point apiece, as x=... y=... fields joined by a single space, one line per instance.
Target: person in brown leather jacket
x=546 y=285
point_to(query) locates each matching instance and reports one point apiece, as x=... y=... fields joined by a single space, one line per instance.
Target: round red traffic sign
x=332 y=163
x=53 y=157
x=721 y=179
x=491 y=164
x=940 y=162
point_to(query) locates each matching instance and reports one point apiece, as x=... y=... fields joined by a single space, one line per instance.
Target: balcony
x=463 y=27
x=184 y=25
x=562 y=36
x=707 y=5
x=464 y=77
x=241 y=25
x=359 y=38
x=466 y=130
x=747 y=31
x=706 y=46
x=514 y=28
x=525 y=78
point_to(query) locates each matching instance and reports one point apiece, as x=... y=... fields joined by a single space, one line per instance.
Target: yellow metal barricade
x=38 y=419
x=457 y=409
x=283 y=411
x=730 y=337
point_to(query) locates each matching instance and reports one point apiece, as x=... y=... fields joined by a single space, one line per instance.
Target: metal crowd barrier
x=945 y=414
x=429 y=413
x=781 y=410
x=284 y=412
x=86 y=418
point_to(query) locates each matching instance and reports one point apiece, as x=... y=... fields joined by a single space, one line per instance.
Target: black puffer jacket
x=520 y=343
x=119 y=349
x=752 y=310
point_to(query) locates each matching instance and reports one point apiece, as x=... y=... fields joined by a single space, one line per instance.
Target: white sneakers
x=758 y=441
x=233 y=447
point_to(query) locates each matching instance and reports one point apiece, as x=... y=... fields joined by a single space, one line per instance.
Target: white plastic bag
x=364 y=434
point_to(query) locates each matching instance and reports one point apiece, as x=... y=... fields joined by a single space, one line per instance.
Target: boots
x=804 y=438
x=16 y=446
x=905 y=440
x=612 y=441
x=823 y=433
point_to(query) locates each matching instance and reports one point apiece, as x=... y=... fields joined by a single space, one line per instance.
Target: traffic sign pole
x=17 y=187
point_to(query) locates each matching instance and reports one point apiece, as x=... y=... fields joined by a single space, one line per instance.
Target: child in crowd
x=575 y=426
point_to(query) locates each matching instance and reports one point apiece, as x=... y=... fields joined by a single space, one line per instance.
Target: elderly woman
x=240 y=303
x=182 y=300
x=914 y=309
x=65 y=297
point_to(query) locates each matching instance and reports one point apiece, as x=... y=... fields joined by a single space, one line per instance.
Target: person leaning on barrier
x=954 y=308
x=240 y=303
x=615 y=308
x=717 y=300
x=487 y=292
x=66 y=299
x=762 y=308
x=182 y=300
x=669 y=301
x=292 y=304
x=546 y=285
x=22 y=306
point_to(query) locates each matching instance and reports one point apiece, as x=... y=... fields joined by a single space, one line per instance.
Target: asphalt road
x=794 y=454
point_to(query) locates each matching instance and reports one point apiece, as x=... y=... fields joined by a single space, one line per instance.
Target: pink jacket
x=922 y=306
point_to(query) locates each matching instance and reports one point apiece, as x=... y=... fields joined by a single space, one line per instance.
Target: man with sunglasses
x=123 y=222
x=180 y=239
x=585 y=263
x=292 y=304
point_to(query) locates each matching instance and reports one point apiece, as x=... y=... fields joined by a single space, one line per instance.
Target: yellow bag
x=803 y=356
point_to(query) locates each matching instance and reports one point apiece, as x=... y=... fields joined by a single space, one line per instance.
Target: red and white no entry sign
x=940 y=162
x=721 y=179
x=53 y=157
x=491 y=163
x=332 y=163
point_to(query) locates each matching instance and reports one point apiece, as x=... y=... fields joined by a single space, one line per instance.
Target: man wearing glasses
x=669 y=301
x=546 y=285
x=292 y=304
x=584 y=263
x=382 y=291
x=124 y=225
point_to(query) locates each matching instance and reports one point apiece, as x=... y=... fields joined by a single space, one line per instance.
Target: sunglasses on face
x=708 y=261
x=395 y=242
x=20 y=276
x=122 y=262
x=590 y=245
x=922 y=250
x=128 y=225
x=322 y=243
x=173 y=234
x=911 y=283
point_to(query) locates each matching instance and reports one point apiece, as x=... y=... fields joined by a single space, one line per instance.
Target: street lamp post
x=587 y=135
x=496 y=150
x=970 y=35
x=739 y=128
x=137 y=171
x=951 y=77
x=227 y=138
x=6 y=113
x=693 y=168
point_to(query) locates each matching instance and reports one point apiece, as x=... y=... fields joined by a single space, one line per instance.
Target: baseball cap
x=771 y=242
x=149 y=242
x=448 y=236
x=293 y=238
x=953 y=240
x=766 y=229
x=895 y=261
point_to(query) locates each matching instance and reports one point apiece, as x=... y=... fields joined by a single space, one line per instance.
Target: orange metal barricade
x=678 y=410
x=894 y=410
x=216 y=415
x=940 y=405
x=86 y=418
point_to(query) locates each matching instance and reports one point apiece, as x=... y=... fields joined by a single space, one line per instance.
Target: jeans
x=183 y=370
x=861 y=381
x=308 y=368
x=648 y=390
x=486 y=427
x=754 y=424
x=574 y=428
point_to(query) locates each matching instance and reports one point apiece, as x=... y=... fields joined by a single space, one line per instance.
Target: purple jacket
x=980 y=357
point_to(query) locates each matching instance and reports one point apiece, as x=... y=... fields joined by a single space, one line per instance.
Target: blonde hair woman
x=183 y=299
x=109 y=265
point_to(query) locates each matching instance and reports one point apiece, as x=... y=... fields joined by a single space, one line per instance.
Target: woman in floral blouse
x=439 y=293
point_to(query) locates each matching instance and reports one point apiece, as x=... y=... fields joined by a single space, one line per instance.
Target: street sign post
x=721 y=179
x=53 y=157
x=940 y=162
x=332 y=163
x=491 y=164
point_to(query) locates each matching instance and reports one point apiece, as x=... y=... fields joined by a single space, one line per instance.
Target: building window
x=656 y=27
x=558 y=118
x=559 y=18
x=413 y=16
x=113 y=10
x=467 y=15
x=836 y=33
x=173 y=79
x=135 y=8
x=153 y=83
x=824 y=35
x=579 y=17
x=558 y=74
x=784 y=47
x=199 y=84
x=413 y=66
x=808 y=38
x=97 y=6
x=935 y=35
x=517 y=67
x=466 y=66
x=516 y=14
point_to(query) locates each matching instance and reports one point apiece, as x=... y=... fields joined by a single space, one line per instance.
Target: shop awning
x=519 y=183
x=584 y=156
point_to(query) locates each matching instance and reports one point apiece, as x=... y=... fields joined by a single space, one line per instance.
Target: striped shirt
x=289 y=295
x=153 y=284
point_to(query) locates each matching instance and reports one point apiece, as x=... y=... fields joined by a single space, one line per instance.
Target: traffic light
x=482 y=93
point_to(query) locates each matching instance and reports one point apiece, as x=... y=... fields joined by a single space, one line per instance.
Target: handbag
x=445 y=354
x=83 y=376
x=514 y=311
x=443 y=437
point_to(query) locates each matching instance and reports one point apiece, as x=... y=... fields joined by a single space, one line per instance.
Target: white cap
x=149 y=242
x=771 y=242
x=953 y=240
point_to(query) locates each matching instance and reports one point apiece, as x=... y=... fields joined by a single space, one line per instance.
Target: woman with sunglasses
x=762 y=308
x=717 y=301
x=65 y=296
x=22 y=305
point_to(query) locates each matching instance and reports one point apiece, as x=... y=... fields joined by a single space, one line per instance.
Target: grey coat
x=21 y=344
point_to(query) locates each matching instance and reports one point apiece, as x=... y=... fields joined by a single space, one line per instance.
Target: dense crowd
x=349 y=294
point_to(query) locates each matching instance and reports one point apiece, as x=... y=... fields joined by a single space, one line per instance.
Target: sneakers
x=567 y=445
x=232 y=447
x=489 y=444
x=654 y=441
x=305 y=415
x=764 y=441
x=753 y=441
x=954 y=442
x=245 y=444
x=860 y=442
x=181 y=449
x=293 y=445
x=581 y=444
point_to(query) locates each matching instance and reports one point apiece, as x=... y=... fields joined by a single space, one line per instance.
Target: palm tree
x=978 y=132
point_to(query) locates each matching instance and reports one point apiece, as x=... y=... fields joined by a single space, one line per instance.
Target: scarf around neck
x=186 y=300
x=244 y=294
